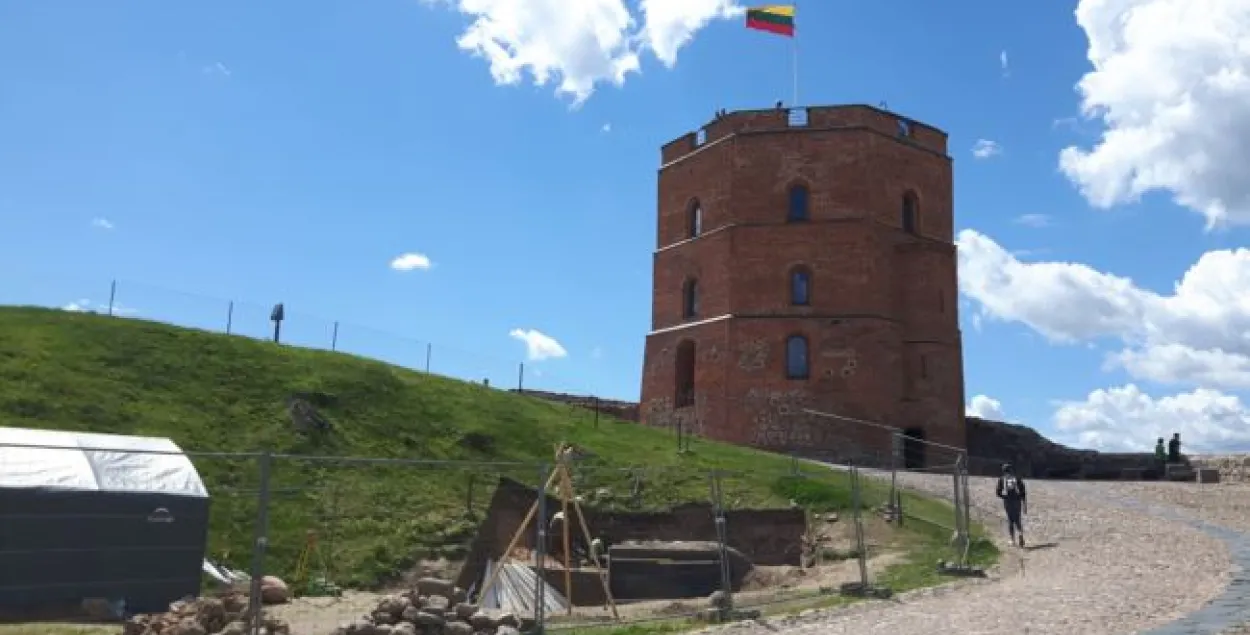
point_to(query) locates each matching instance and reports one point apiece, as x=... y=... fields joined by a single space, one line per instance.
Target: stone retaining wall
x=1233 y=468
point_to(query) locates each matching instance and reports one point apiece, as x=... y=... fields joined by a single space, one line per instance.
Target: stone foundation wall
x=990 y=444
x=624 y=410
x=1233 y=468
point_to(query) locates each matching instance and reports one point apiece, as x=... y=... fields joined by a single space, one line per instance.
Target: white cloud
x=671 y=24
x=1171 y=85
x=1128 y=419
x=538 y=345
x=1196 y=335
x=1002 y=63
x=984 y=149
x=1033 y=220
x=411 y=261
x=579 y=45
x=607 y=127
x=985 y=408
x=217 y=68
x=101 y=223
x=87 y=306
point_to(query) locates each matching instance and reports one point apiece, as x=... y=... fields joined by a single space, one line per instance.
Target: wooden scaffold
x=562 y=478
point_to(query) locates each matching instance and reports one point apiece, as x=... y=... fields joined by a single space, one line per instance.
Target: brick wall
x=882 y=325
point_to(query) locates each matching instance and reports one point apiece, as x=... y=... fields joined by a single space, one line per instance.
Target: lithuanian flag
x=776 y=18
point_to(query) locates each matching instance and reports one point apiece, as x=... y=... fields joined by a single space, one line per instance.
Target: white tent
x=98 y=516
x=85 y=461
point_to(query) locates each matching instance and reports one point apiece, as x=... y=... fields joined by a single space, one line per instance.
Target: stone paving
x=1120 y=564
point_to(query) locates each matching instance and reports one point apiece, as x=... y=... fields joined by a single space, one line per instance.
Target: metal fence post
x=896 y=442
x=962 y=536
x=540 y=552
x=858 y=517
x=429 y=350
x=334 y=337
x=967 y=510
x=722 y=538
x=957 y=498
x=112 y=295
x=229 y=316
x=260 y=544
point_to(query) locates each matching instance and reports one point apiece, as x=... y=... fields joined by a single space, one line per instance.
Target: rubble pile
x=225 y=615
x=433 y=607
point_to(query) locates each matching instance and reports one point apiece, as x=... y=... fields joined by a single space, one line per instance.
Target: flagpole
x=794 y=53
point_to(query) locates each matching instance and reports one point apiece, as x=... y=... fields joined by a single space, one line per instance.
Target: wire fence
x=136 y=300
x=309 y=543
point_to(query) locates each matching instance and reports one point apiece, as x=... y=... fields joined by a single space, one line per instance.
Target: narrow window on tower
x=690 y=299
x=911 y=211
x=798 y=204
x=683 y=384
x=796 y=358
x=800 y=286
x=694 y=222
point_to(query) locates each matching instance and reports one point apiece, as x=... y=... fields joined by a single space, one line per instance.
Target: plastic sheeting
x=95 y=462
x=514 y=591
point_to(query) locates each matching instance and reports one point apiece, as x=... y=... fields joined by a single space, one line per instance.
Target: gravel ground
x=1110 y=571
x=1224 y=504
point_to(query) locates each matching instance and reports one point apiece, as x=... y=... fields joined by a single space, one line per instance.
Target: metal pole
x=112 y=295
x=429 y=349
x=596 y=413
x=722 y=538
x=967 y=512
x=895 y=443
x=960 y=535
x=520 y=377
x=229 y=316
x=862 y=550
x=334 y=337
x=540 y=552
x=260 y=544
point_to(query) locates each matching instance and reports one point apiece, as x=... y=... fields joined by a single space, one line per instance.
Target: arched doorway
x=683 y=375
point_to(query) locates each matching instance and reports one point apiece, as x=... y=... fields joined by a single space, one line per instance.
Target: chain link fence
x=311 y=543
x=289 y=325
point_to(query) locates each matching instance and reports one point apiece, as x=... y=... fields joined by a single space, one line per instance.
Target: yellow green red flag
x=775 y=18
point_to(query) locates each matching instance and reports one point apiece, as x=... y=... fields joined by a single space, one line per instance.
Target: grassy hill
x=216 y=393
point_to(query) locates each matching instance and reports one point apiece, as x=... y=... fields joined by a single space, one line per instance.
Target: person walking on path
x=1015 y=502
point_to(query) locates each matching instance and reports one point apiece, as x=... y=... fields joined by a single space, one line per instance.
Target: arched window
x=800 y=286
x=798 y=204
x=911 y=212
x=690 y=299
x=683 y=376
x=694 y=220
x=796 y=358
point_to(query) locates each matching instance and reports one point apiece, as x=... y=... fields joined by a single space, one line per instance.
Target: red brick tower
x=805 y=259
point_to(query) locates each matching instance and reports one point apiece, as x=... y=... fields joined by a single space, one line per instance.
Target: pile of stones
x=224 y=615
x=433 y=607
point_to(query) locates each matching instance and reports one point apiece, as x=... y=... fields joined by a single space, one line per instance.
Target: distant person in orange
x=1015 y=502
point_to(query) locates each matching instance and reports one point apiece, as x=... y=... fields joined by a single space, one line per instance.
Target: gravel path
x=1114 y=570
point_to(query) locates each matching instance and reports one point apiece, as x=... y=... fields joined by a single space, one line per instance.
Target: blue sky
x=262 y=152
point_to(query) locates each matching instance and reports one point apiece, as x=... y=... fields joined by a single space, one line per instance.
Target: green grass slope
x=216 y=393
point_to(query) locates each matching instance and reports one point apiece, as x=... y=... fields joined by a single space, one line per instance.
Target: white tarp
x=95 y=462
x=515 y=588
